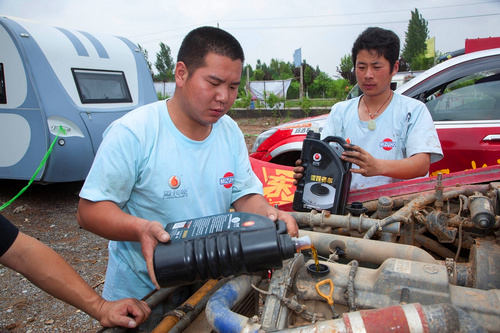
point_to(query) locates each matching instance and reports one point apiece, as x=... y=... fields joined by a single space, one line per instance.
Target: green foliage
x=164 y=64
x=315 y=102
x=293 y=90
x=272 y=100
x=243 y=101
x=346 y=69
x=305 y=105
x=161 y=96
x=420 y=62
x=320 y=85
x=146 y=57
x=415 y=39
x=258 y=75
x=338 y=89
x=242 y=88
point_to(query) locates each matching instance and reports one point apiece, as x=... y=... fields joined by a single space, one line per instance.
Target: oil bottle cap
x=313 y=133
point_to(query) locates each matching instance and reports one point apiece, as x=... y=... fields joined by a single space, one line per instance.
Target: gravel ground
x=47 y=212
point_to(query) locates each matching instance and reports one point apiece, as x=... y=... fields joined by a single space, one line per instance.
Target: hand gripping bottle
x=326 y=180
x=222 y=245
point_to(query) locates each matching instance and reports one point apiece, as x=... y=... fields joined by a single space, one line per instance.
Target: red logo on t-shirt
x=174 y=182
x=227 y=180
x=387 y=144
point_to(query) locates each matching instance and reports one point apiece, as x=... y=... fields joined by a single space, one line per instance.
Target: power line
x=355 y=24
x=326 y=16
x=384 y=11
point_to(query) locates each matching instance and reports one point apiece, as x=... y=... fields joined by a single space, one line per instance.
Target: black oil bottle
x=326 y=179
x=222 y=245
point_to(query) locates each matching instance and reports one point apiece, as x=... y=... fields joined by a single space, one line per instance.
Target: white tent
x=277 y=87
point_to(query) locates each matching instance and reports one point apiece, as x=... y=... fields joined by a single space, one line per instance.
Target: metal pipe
x=434 y=246
x=188 y=319
x=366 y=250
x=438 y=318
x=359 y=223
x=169 y=321
x=399 y=201
x=423 y=200
x=218 y=309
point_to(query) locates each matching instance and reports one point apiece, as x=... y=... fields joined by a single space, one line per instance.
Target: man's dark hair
x=200 y=41
x=384 y=42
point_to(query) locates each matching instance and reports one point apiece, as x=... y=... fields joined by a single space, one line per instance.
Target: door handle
x=492 y=137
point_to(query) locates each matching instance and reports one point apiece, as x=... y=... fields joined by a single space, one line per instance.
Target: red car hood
x=279 y=189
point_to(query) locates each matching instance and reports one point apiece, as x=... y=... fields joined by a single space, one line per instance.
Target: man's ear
x=395 y=69
x=181 y=74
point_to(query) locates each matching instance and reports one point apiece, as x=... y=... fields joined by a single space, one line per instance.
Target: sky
x=324 y=30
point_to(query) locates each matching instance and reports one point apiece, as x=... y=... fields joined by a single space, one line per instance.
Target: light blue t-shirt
x=151 y=170
x=404 y=129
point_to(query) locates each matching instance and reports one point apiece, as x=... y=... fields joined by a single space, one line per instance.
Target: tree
x=346 y=69
x=320 y=85
x=164 y=64
x=415 y=39
x=309 y=75
x=146 y=57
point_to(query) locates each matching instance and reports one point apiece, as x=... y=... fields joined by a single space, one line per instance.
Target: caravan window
x=99 y=86
x=3 y=96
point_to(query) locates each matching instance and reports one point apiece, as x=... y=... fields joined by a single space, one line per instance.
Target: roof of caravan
x=66 y=49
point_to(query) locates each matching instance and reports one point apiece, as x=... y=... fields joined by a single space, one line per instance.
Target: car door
x=464 y=101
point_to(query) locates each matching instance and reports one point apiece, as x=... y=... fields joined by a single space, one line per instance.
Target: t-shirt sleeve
x=331 y=126
x=8 y=234
x=115 y=167
x=245 y=180
x=422 y=135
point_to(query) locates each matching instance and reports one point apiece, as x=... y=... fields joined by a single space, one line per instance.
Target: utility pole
x=248 y=79
x=301 y=90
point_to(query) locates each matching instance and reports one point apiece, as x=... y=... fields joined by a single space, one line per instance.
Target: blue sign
x=297 y=57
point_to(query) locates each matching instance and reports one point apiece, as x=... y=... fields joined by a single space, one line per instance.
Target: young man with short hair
x=170 y=161
x=393 y=136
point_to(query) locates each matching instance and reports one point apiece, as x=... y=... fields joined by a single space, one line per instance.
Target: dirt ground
x=47 y=212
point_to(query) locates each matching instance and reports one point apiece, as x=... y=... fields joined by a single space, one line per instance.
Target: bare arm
x=48 y=270
x=106 y=219
x=257 y=204
x=407 y=168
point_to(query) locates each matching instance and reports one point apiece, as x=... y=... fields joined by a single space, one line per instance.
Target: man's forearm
x=106 y=219
x=48 y=270
x=408 y=168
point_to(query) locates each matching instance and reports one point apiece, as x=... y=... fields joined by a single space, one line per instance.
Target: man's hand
x=127 y=312
x=298 y=172
x=291 y=225
x=151 y=234
x=257 y=204
x=368 y=165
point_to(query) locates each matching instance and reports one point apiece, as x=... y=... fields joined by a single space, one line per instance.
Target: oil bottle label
x=203 y=226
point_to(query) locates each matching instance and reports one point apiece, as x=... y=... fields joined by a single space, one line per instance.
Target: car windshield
x=473 y=97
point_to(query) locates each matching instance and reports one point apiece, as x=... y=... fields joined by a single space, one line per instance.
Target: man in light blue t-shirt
x=172 y=160
x=392 y=136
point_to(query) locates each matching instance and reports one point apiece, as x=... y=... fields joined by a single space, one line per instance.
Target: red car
x=463 y=96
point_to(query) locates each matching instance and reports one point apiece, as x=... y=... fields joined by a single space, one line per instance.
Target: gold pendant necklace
x=372 y=125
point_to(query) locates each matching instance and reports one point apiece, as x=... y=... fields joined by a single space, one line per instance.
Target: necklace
x=371 y=123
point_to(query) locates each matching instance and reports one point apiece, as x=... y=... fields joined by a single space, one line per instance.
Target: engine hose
x=218 y=309
x=188 y=306
x=350 y=285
